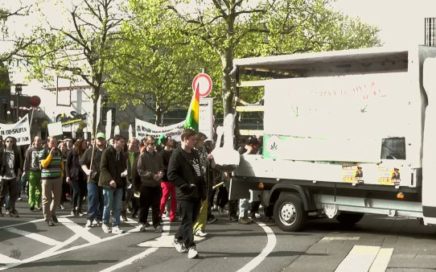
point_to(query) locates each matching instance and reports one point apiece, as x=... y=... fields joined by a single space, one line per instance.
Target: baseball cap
x=101 y=135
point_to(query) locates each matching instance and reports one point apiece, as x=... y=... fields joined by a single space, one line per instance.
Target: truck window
x=393 y=148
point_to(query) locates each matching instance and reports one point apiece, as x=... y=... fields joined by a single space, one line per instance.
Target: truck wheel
x=289 y=213
x=349 y=218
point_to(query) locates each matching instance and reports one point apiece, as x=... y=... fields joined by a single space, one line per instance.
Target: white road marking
x=7 y=260
x=158 y=242
x=269 y=247
x=339 y=238
x=42 y=255
x=359 y=259
x=382 y=260
x=84 y=233
x=34 y=236
x=22 y=223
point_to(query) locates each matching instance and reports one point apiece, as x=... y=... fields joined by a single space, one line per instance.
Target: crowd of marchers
x=178 y=180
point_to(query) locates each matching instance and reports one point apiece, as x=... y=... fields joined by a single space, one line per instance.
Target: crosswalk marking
x=382 y=260
x=85 y=234
x=7 y=260
x=339 y=238
x=34 y=236
x=359 y=259
x=162 y=241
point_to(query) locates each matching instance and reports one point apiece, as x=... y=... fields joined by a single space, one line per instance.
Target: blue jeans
x=95 y=201
x=113 y=200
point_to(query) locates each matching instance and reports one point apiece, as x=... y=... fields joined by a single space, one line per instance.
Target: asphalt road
x=376 y=243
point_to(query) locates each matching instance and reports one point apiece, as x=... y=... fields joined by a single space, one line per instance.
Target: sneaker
x=73 y=213
x=32 y=208
x=88 y=224
x=14 y=213
x=106 y=228
x=143 y=228
x=233 y=218
x=200 y=233
x=62 y=207
x=158 y=229
x=117 y=230
x=55 y=219
x=245 y=221
x=192 y=253
x=180 y=247
x=50 y=223
x=124 y=216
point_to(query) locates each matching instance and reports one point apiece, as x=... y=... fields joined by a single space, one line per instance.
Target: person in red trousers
x=168 y=187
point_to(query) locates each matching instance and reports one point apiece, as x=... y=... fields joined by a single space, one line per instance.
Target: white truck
x=345 y=133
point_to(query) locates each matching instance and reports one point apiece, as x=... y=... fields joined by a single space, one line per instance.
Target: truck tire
x=349 y=219
x=289 y=214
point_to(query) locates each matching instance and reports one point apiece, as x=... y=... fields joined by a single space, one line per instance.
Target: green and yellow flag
x=193 y=117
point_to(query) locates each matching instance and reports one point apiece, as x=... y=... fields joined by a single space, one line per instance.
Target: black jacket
x=180 y=171
x=111 y=167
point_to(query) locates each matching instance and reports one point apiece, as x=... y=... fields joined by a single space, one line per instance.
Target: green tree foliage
x=80 y=50
x=18 y=43
x=157 y=62
x=240 y=28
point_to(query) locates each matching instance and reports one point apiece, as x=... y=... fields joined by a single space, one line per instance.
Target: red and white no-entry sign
x=203 y=82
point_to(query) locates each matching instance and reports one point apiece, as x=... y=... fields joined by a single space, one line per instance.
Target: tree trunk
x=228 y=86
x=95 y=98
x=159 y=117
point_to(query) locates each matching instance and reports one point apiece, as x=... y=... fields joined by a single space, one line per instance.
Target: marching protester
x=151 y=171
x=92 y=170
x=32 y=170
x=206 y=163
x=184 y=170
x=51 y=179
x=75 y=176
x=113 y=169
x=133 y=177
x=66 y=188
x=250 y=147
x=168 y=187
x=10 y=173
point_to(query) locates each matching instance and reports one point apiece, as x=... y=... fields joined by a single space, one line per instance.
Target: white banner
x=20 y=131
x=143 y=129
x=55 y=129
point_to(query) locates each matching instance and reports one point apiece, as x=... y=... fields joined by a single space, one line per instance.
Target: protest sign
x=55 y=129
x=20 y=131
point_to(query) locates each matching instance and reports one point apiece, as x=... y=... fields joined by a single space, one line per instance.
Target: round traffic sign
x=35 y=101
x=203 y=83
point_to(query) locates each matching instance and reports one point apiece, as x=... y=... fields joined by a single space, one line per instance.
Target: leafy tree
x=81 y=50
x=237 y=28
x=18 y=43
x=157 y=62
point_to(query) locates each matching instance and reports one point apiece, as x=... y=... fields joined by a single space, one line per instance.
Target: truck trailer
x=344 y=133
